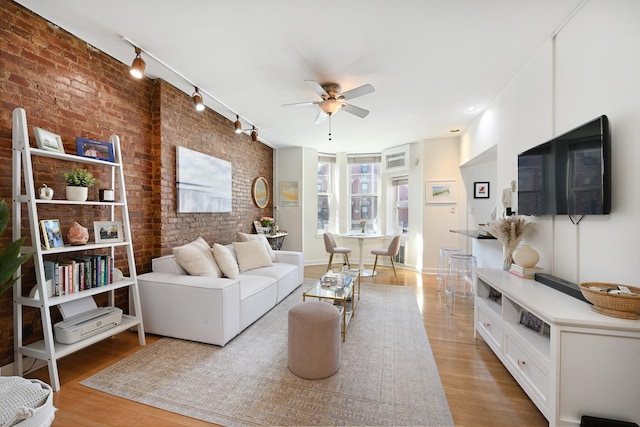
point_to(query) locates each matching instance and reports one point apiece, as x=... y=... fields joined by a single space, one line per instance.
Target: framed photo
x=495 y=296
x=444 y=191
x=48 y=140
x=531 y=321
x=481 y=190
x=108 y=231
x=259 y=228
x=52 y=233
x=95 y=149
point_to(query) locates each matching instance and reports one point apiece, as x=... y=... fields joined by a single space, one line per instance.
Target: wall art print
x=203 y=182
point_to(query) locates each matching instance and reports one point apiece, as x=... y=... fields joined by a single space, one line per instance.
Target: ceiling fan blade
x=317 y=88
x=321 y=117
x=357 y=111
x=359 y=91
x=300 y=104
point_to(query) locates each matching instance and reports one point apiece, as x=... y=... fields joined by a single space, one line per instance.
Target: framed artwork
x=260 y=192
x=531 y=321
x=108 y=231
x=495 y=295
x=288 y=193
x=481 y=190
x=48 y=140
x=203 y=182
x=258 y=227
x=95 y=149
x=51 y=233
x=444 y=191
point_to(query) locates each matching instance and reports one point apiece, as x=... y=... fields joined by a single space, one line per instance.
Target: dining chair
x=332 y=248
x=390 y=251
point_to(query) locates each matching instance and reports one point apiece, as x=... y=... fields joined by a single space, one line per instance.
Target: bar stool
x=443 y=265
x=460 y=280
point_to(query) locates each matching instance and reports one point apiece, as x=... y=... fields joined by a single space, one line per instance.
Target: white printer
x=83 y=318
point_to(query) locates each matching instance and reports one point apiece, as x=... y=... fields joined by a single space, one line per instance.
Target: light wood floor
x=479 y=389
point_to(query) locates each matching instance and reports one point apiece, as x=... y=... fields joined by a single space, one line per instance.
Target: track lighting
x=238 y=125
x=138 y=65
x=254 y=134
x=197 y=100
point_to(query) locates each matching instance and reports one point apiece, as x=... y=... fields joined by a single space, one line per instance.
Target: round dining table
x=361 y=237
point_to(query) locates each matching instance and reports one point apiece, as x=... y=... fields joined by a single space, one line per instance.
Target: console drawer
x=535 y=374
x=489 y=326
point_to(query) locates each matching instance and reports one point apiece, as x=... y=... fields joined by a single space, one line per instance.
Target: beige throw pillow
x=226 y=261
x=244 y=237
x=196 y=259
x=251 y=255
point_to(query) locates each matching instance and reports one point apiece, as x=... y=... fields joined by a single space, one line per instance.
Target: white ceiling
x=427 y=59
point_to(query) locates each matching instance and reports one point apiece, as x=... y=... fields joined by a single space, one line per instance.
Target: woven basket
x=623 y=306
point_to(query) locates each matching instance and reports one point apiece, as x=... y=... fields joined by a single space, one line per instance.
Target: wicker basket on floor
x=623 y=306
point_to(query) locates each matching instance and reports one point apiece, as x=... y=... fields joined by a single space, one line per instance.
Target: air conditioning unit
x=395 y=159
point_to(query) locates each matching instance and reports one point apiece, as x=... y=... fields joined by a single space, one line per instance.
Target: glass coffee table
x=344 y=299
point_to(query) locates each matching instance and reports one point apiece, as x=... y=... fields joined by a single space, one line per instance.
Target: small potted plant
x=78 y=183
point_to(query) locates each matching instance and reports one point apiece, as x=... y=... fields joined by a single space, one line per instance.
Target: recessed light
x=470 y=109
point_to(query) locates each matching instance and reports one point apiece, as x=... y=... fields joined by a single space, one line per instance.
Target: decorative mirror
x=261 y=192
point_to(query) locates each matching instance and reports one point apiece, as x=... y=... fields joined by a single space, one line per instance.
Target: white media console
x=582 y=363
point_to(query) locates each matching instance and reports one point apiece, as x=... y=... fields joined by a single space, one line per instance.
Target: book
x=524 y=272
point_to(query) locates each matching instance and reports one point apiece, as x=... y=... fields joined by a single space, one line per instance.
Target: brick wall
x=72 y=89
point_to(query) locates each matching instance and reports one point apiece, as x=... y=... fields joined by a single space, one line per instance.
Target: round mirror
x=261 y=192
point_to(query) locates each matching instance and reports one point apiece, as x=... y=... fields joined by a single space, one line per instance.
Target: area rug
x=387 y=374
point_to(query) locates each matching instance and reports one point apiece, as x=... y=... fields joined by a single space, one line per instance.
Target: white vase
x=77 y=194
x=525 y=256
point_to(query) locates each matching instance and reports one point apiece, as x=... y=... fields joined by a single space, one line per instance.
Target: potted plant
x=10 y=259
x=78 y=183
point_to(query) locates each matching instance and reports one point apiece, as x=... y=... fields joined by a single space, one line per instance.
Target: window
x=364 y=178
x=401 y=199
x=326 y=167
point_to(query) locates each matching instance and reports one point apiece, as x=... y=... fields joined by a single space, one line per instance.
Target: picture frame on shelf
x=48 y=140
x=495 y=295
x=531 y=321
x=259 y=228
x=108 y=231
x=95 y=149
x=481 y=190
x=52 y=233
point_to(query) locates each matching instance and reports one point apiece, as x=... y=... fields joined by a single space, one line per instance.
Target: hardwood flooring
x=480 y=391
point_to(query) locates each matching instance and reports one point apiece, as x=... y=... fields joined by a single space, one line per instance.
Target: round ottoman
x=314 y=340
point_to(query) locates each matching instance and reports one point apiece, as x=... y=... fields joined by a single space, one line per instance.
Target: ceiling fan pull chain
x=329 y=127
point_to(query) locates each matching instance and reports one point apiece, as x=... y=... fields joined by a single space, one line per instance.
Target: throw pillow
x=244 y=237
x=251 y=255
x=226 y=261
x=196 y=259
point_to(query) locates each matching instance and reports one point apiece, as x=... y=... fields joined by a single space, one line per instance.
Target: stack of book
x=525 y=272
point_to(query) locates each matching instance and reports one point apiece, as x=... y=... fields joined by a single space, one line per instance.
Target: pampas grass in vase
x=509 y=231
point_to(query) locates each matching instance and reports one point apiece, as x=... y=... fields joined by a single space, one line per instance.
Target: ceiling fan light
x=197 y=100
x=138 y=65
x=238 y=125
x=330 y=106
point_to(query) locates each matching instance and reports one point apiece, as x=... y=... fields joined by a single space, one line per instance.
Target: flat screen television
x=568 y=175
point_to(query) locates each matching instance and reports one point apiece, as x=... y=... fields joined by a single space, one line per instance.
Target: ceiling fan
x=333 y=99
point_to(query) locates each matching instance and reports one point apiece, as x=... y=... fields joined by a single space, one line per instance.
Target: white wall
x=590 y=69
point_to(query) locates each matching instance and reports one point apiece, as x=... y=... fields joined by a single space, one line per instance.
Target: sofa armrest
x=292 y=257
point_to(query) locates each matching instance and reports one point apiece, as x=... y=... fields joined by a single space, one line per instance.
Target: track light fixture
x=238 y=125
x=138 y=65
x=254 y=134
x=197 y=100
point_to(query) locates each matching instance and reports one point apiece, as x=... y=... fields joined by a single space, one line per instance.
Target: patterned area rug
x=387 y=374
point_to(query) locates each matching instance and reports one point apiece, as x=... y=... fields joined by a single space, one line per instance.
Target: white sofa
x=214 y=309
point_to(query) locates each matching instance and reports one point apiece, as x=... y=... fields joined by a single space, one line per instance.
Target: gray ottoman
x=314 y=340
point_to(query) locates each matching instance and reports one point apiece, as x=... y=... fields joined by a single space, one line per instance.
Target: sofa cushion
x=196 y=258
x=244 y=237
x=251 y=255
x=226 y=261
